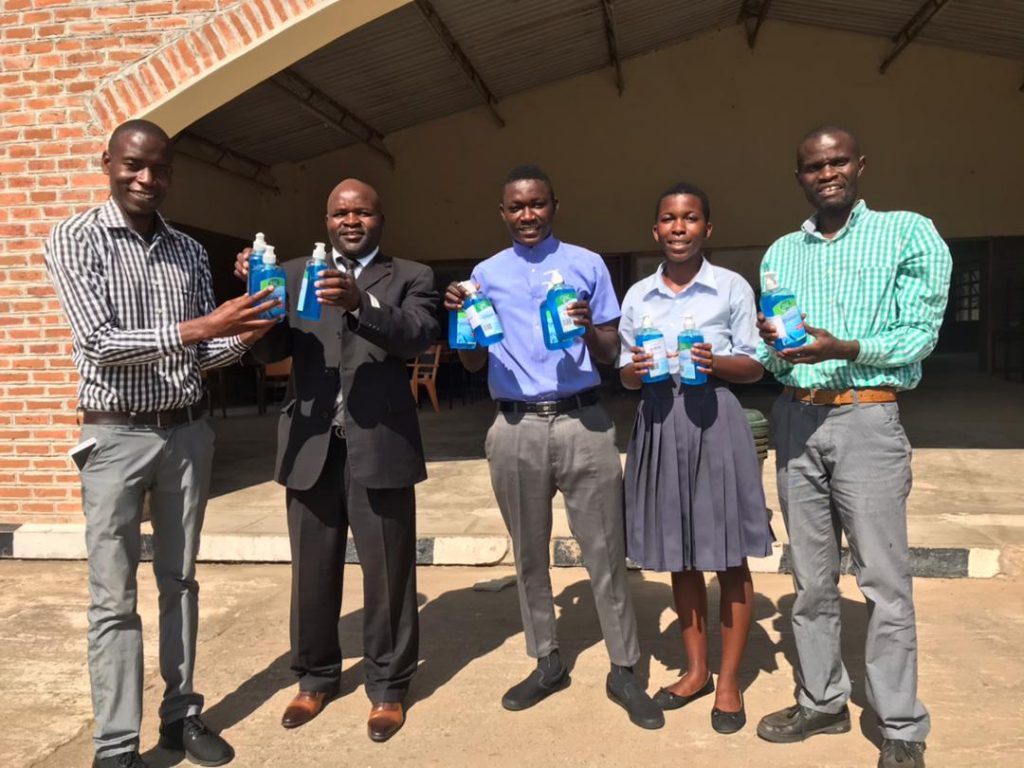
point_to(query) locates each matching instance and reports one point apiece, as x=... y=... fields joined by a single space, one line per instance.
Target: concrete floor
x=472 y=649
x=967 y=429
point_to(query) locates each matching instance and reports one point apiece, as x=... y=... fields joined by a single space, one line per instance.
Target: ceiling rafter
x=448 y=40
x=911 y=30
x=212 y=153
x=613 y=43
x=752 y=14
x=333 y=114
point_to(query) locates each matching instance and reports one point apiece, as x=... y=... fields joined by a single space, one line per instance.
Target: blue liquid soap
x=308 y=307
x=270 y=275
x=259 y=245
x=460 y=332
x=548 y=330
x=689 y=336
x=560 y=296
x=780 y=308
x=652 y=341
x=482 y=317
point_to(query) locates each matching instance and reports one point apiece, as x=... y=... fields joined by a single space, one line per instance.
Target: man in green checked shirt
x=873 y=288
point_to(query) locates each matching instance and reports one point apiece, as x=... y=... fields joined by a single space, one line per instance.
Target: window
x=967 y=293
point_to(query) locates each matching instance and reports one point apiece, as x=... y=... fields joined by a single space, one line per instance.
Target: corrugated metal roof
x=394 y=72
x=994 y=27
x=522 y=44
x=646 y=25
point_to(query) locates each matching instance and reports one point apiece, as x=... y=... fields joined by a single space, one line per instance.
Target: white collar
x=363 y=261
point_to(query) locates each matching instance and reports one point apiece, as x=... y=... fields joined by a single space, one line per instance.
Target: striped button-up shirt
x=882 y=281
x=124 y=298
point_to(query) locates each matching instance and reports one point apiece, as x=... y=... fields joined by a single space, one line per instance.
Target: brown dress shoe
x=385 y=720
x=305 y=706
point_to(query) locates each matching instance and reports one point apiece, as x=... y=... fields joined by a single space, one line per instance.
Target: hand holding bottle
x=455 y=294
x=702 y=356
x=338 y=289
x=239 y=316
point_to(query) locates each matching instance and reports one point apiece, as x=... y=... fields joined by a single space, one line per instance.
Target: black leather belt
x=550 y=407
x=159 y=419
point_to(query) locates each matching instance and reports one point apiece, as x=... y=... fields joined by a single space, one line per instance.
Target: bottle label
x=463 y=330
x=481 y=315
x=789 y=326
x=304 y=289
x=278 y=284
x=687 y=368
x=659 y=356
x=562 y=302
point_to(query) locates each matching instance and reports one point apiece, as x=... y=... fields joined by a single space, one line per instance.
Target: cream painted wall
x=941 y=131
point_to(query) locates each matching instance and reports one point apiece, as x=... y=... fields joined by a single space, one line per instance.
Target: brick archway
x=70 y=73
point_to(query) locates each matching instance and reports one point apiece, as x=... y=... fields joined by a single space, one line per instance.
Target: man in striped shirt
x=139 y=299
x=873 y=288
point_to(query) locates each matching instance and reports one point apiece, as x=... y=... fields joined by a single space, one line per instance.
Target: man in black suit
x=349 y=453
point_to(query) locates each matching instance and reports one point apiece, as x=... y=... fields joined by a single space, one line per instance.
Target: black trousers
x=383 y=522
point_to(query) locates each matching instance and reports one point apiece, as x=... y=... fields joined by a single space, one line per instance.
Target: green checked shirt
x=882 y=280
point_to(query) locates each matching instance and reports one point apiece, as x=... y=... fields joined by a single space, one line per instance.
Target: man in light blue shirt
x=550 y=434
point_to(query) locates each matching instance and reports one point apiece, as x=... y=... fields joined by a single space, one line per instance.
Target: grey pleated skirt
x=694 y=499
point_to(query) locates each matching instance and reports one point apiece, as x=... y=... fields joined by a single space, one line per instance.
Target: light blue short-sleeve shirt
x=720 y=301
x=516 y=280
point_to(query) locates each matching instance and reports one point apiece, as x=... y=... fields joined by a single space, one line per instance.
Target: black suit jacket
x=369 y=354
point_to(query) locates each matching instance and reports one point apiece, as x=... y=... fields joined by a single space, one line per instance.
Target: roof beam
x=613 y=43
x=333 y=114
x=214 y=154
x=752 y=14
x=448 y=40
x=911 y=30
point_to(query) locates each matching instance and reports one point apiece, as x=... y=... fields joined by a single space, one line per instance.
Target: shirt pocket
x=869 y=306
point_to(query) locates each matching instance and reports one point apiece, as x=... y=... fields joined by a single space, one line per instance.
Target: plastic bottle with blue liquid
x=482 y=317
x=259 y=245
x=460 y=332
x=308 y=307
x=270 y=275
x=689 y=336
x=560 y=297
x=652 y=342
x=780 y=308
x=548 y=330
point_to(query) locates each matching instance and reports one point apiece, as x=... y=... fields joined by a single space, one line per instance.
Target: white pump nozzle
x=260 y=243
x=269 y=257
x=469 y=286
x=689 y=323
x=647 y=322
x=556 y=277
x=320 y=251
x=771 y=281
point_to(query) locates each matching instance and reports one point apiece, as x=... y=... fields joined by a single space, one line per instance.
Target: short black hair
x=685 y=188
x=822 y=130
x=528 y=172
x=138 y=126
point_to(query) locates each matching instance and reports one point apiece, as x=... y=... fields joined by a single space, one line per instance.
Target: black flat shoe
x=729 y=722
x=665 y=699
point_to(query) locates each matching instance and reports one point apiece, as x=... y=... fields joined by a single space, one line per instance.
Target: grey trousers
x=847 y=468
x=174 y=465
x=530 y=457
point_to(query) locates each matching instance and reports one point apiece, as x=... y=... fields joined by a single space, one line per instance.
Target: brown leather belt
x=842 y=397
x=159 y=419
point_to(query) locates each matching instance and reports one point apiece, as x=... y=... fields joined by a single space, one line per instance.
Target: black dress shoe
x=123 y=760
x=665 y=699
x=200 y=745
x=549 y=676
x=797 y=723
x=625 y=691
x=729 y=722
x=901 y=754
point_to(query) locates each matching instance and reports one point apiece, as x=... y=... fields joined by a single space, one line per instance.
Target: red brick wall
x=69 y=72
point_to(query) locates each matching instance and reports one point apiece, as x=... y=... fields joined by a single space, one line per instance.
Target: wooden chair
x=272 y=376
x=424 y=374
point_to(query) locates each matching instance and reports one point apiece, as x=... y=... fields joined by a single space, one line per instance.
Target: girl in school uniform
x=694 y=500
